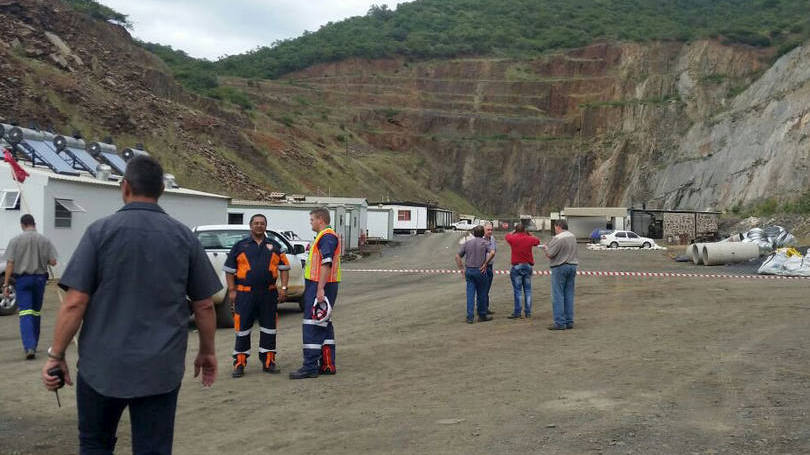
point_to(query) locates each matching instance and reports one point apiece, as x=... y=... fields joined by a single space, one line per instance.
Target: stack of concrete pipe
x=721 y=253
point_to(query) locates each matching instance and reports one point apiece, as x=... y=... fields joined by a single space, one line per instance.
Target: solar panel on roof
x=31 y=142
x=47 y=156
x=75 y=149
x=107 y=153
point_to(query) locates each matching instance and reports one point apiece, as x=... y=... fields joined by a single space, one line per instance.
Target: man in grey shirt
x=476 y=255
x=562 y=254
x=490 y=273
x=126 y=285
x=28 y=256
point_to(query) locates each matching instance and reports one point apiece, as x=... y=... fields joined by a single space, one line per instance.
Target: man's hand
x=6 y=291
x=483 y=269
x=282 y=295
x=319 y=295
x=52 y=382
x=207 y=363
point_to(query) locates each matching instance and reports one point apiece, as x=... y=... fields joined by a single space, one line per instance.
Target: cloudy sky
x=213 y=28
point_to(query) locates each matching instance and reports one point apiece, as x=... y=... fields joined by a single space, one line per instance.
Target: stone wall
x=679 y=226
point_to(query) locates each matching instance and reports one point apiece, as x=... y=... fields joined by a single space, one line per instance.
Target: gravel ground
x=654 y=366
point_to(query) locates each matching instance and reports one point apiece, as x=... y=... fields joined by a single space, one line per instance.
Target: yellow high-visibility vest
x=312 y=270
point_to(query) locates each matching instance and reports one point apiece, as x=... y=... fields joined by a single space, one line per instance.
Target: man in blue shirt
x=126 y=286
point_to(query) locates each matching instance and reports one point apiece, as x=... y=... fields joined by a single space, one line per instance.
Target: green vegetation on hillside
x=97 y=10
x=518 y=28
x=199 y=76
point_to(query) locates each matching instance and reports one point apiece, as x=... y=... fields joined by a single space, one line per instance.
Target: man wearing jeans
x=490 y=273
x=521 y=273
x=562 y=254
x=476 y=255
x=126 y=285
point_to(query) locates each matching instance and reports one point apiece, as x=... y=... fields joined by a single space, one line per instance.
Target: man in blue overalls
x=251 y=270
x=28 y=256
x=321 y=279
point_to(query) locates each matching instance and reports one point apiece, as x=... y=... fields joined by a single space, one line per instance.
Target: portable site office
x=349 y=216
x=65 y=205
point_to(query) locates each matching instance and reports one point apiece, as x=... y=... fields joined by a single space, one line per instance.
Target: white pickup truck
x=218 y=240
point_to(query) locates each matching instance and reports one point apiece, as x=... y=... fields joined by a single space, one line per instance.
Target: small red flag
x=18 y=172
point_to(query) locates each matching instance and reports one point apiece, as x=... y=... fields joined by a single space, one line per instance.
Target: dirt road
x=661 y=366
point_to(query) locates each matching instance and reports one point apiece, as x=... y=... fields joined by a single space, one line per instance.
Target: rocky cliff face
x=674 y=125
x=758 y=147
x=600 y=125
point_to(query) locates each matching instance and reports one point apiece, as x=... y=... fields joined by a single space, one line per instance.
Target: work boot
x=303 y=374
x=513 y=316
x=272 y=368
x=490 y=312
x=30 y=354
x=238 y=371
x=328 y=371
x=556 y=327
x=484 y=318
x=569 y=326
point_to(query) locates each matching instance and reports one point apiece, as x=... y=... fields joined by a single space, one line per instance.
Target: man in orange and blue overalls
x=321 y=279
x=251 y=270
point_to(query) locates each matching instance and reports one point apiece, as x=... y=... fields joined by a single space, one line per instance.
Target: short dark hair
x=520 y=227
x=562 y=224
x=27 y=220
x=478 y=231
x=322 y=213
x=258 y=215
x=145 y=176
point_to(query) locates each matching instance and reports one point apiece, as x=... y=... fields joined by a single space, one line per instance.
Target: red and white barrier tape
x=595 y=274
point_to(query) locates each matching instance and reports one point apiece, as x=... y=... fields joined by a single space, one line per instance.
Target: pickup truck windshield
x=225 y=239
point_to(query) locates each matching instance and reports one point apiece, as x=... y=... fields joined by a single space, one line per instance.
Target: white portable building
x=65 y=205
x=294 y=216
x=409 y=217
x=380 y=223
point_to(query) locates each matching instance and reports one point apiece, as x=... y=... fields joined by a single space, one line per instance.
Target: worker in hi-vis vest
x=321 y=279
x=251 y=270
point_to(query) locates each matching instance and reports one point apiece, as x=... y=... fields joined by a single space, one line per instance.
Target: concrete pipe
x=696 y=252
x=729 y=253
x=63 y=142
x=130 y=153
x=17 y=135
x=95 y=148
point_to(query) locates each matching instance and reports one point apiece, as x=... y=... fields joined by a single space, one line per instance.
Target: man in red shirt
x=522 y=243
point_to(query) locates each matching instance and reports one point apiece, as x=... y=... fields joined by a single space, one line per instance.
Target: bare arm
x=9 y=272
x=68 y=322
x=285 y=279
x=206 y=321
x=229 y=279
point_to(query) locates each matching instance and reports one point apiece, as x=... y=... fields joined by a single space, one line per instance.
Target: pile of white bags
x=769 y=238
x=786 y=262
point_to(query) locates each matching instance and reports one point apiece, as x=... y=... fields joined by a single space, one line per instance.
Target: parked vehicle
x=616 y=239
x=295 y=239
x=464 y=225
x=220 y=238
x=7 y=305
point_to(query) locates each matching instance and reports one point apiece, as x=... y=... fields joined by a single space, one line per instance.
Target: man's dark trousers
x=261 y=304
x=152 y=420
x=30 y=292
x=318 y=337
